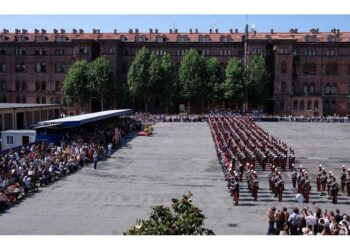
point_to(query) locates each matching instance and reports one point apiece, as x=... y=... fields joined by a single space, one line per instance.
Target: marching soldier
x=323 y=181
x=343 y=179
x=329 y=184
x=334 y=190
x=235 y=190
x=318 y=177
x=279 y=187
x=348 y=183
x=301 y=183
x=240 y=170
x=307 y=189
x=255 y=187
x=294 y=178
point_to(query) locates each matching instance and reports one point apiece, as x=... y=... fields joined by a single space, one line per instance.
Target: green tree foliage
x=257 y=81
x=100 y=77
x=75 y=85
x=192 y=76
x=183 y=218
x=214 y=81
x=234 y=87
x=168 y=89
x=141 y=77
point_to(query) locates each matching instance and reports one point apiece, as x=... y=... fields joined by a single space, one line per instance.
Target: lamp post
x=245 y=106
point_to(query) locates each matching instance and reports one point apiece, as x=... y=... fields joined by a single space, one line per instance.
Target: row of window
x=180 y=38
x=39 y=68
x=38 y=38
x=58 y=52
x=300 y=105
x=310 y=68
x=22 y=86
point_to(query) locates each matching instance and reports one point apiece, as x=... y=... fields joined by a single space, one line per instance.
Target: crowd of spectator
x=307 y=222
x=21 y=171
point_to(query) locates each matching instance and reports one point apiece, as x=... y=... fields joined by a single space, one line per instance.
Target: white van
x=16 y=138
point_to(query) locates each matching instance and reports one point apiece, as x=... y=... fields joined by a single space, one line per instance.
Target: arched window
x=316 y=105
x=302 y=105
x=309 y=105
x=312 y=69
x=306 y=68
x=334 y=90
x=312 y=88
x=295 y=104
x=305 y=89
x=283 y=67
x=327 y=89
x=283 y=87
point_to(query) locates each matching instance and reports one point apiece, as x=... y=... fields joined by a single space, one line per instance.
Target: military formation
x=242 y=147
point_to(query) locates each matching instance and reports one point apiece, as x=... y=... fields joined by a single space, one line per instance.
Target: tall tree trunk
x=101 y=102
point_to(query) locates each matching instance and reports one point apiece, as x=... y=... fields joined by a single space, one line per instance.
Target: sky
x=107 y=23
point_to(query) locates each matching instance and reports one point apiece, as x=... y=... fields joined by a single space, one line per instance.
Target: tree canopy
x=234 y=85
x=183 y=218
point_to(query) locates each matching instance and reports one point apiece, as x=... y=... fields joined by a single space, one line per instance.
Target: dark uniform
x=334 y=190
x=318 y=178
x=255 y=188
x=323 y=181
x=348 y=183
x=307 y=189
x=279 y=187
x=235 y=190
x=343 y=179
x=294 y=178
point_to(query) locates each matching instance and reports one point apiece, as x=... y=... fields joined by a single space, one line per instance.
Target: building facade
x=310 y=71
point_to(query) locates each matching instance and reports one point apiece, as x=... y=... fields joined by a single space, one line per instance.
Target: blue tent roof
x=78 y=120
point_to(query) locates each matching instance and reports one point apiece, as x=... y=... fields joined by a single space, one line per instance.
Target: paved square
x=178 y=158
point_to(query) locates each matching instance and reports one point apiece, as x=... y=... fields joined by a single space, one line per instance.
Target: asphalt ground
x=177 y=158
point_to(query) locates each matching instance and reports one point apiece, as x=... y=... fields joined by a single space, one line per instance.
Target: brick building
x=310 y=70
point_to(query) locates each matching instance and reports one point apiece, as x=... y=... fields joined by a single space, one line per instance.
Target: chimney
x=75 y=31
x=36 y=31
x=216 y=31
x=81 y=31
x=231 y=31
x=4 y=31
x=63 y=31
x=236 y=31
x=115 y=31
x=271 y=31
x=150 y=31
x=136 y=31
x=17 y=31
x=196 y=31
x=93 y=31
x=156 y=31
x=55 y=31
x=338 y=31
x=98 y=31
x=190 y=31
x=130 y=31
x=175 y=31
x=254 y=32
x=210 y=31
x=24 y=31
x=43 y=31
x=171 y=31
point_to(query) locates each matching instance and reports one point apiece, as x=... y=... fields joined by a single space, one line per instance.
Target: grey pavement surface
x=178 y=158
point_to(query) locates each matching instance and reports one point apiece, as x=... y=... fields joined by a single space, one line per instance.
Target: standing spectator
x=95 y=158
x=294 y=220
x=338 y=217
x=110 y=149
x=271 y=221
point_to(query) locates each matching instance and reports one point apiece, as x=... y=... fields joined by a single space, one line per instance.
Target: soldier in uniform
x=334 y=190
x=255 y=186
x=307 y=189
x=235 y=189
x=240 y=170
x=323 y=181
x=300 y=173
x=294 y=178
x=279 y=187
x=329 y=184
x=348 y=183
x=301 y=184
x=343 y=179
x=318 y=177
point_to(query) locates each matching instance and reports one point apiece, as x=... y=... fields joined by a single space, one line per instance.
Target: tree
x=234 y=87
x=100 y=77
x=185 y=219
x=168 y=89
x=141 y=77
x=257 y=81
x=192 y=76
x=214 y=80
x=75 y=85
